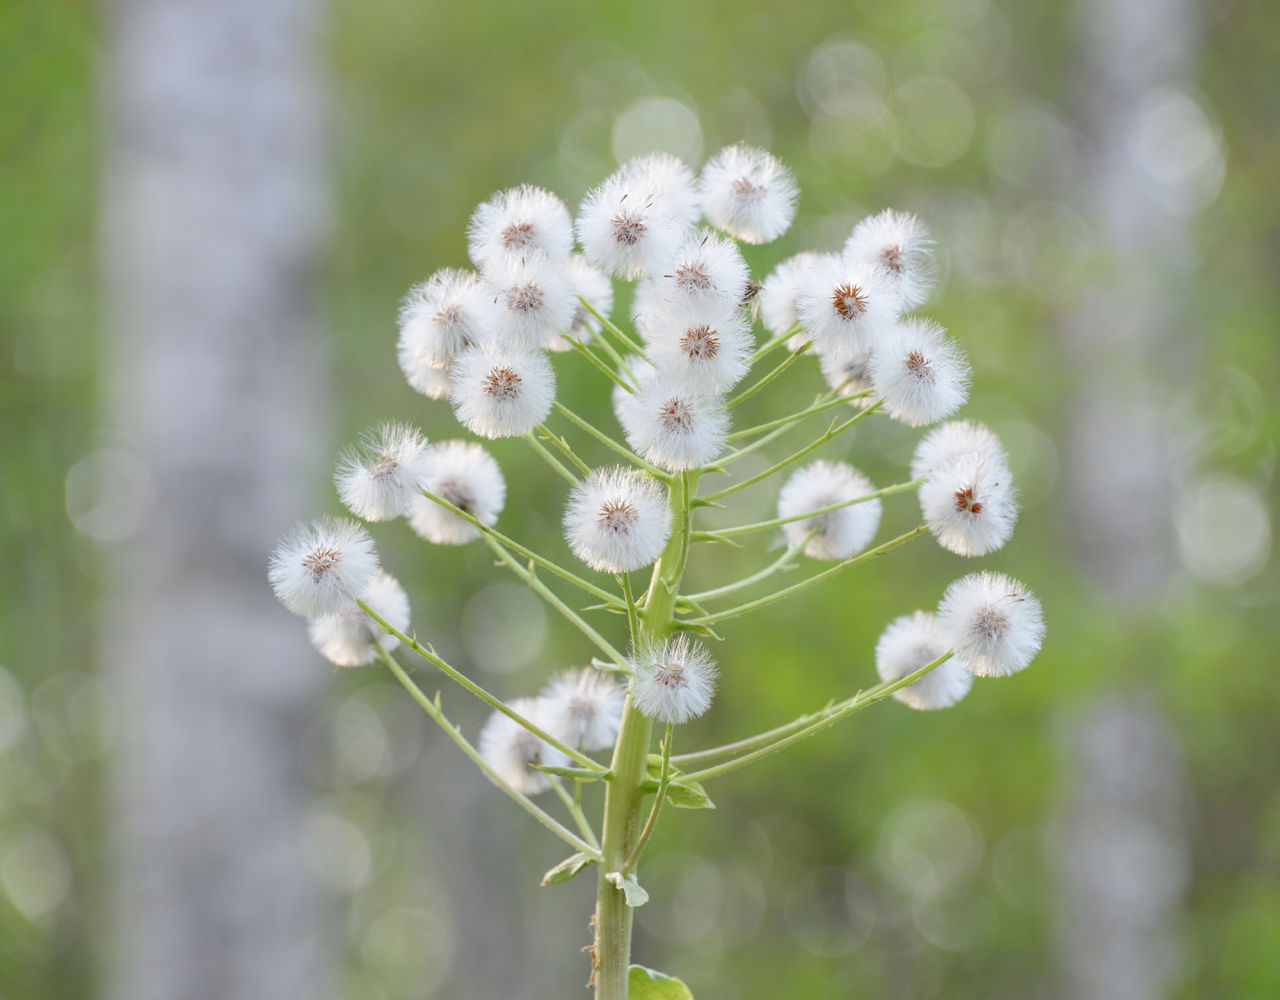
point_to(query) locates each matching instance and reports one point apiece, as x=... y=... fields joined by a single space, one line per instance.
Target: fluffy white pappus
x=669 y=183
x=673 y=681
x=626 y=229
x=778 y=294
x=900 y=248
x=617 y=520
x=501 y=393
x=673 y=426
x=843 y=306
x=706 y=268
x=920 y=373
x=424 y=377
x=943 y=445
x=466 y=475
x=993 y=622
x=585 y=708
x=704 y=346
x=378 y=479
x=351 y=638
x=914 y=641
x=437 y=319
x=319 y=567
x=518 y=221
x=839 y=533
x=592 y=284
x=510 y=749
x=849 y=375
x=748 y=193
x=527 y=301
x=970 y=505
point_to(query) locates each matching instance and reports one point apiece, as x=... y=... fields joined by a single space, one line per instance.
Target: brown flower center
x=384 y=468
x=891 y=257
x=525 y=298
x=701 y=343
x=746 y=189
x=319 y=562
x=676 y=416
x=693 y=278
x=991 y=625
x=965 y=502
x=628 y=227
x=670 y=675
x=517 y=236
x=617 y=516
x=849 y=302
x=502 y=384
x=920 y=367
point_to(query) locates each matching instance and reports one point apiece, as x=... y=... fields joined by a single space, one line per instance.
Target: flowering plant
x=482 y=339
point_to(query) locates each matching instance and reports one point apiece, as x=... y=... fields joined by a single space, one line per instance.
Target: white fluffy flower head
x=993 y=622
x=673 y=681
x=617 y=520
x=437 y=319
x=527 y=300
x=914 y=641
x=920 y=373
x=943 y=445
x=850 y=375
x=321 y=566
x=843 y=306
x=672 y=425
x=970 y=505
x=585 y=708
x=900 y=249
x=839 y=533
x=706 y=347
x=707 y=268
x=378 y=479
x=519 y=221
x=501 y=393
x=626 y=228
x=466 y=475
x=667 y=181
x=351 y=638
x=748 y=193
x=510 y=749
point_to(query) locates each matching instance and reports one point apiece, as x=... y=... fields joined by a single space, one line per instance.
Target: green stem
x=611 y=444
x=623 y=339
x=664 y=779
x=777 y=341
x=551 y=460
x=590 y=355
x=804 y=584
x=777 y=522
x=575 y=810
x=430 y=655
x=747 y=581
x=859 y=701
x=633 y=615
x=563 y=447
x=543 y=591
x=832 y=432
x=747 y=393
x=823 y=404
x=515 y=546
x=433 y=709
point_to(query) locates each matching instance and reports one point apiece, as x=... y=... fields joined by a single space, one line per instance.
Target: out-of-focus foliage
x=899 y=855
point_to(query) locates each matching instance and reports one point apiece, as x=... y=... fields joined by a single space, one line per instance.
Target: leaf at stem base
x=566 y=869
x=646 y=984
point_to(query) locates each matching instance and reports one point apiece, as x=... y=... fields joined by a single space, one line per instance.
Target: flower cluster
x=542 y=281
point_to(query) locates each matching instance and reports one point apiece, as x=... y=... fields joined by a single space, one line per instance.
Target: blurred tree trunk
x=1120 y=843
x=215 y=194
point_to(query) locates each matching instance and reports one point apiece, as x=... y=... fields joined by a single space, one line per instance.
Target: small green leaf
x=645 y=984
x=576 y=773
x=690 y=796
x=566 y=869
x=636 y=896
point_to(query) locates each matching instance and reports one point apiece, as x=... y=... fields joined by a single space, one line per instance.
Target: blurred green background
x=901 y=854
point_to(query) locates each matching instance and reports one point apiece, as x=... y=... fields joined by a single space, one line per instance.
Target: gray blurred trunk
x=1120 y=839
x=215 y=195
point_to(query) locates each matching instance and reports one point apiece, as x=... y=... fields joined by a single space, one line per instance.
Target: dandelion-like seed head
x=320 y=567
x=748 y=193
x=518 y=221
x=701 y=343
x=511 y=750
x=692 y=278
x=617 y=520
x=437 y=319
x=673 y=681
x=501 y=393
x=899 y=247
x=527 y=300
x=920 y=373
x=993 y=622
x=970 y=504
x=378 y=479
x=843 y=306
x=466 y=475
x=673 y=427
x=585 y=708
x=628 y=228
x=914 y=641
x=837 y=534
x=350 y=638
x=849 y=301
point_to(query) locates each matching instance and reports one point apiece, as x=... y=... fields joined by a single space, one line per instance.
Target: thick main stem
x=623 y=795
